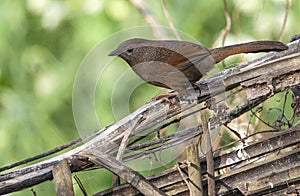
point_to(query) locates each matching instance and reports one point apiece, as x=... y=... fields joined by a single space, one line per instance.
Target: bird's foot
x=167 y=97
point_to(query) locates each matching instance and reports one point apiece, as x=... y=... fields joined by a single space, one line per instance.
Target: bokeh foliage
x=42 y=43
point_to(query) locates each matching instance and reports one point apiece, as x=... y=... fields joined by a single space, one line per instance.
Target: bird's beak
x=116 y=52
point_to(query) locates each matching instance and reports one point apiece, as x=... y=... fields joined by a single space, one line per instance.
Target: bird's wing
x=185 y=55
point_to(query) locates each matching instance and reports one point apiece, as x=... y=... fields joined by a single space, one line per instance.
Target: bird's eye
x=130 y=50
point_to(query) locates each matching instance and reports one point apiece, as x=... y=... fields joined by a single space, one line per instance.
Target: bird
x=177 y=65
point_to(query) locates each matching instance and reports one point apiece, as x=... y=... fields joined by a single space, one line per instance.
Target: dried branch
x=209 y=157
x=194 y=171
x=171 y=24
x=224 y=32
x=149 y=18
x=260 y=79
x=286 y=14
x=273 y=166
x=63 y=179
x=128 y=174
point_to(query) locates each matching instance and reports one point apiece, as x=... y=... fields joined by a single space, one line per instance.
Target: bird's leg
x=167 y=97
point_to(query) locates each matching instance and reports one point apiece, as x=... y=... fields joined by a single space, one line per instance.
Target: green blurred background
x=43 y=42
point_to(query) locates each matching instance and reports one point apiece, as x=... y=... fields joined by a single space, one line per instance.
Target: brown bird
x=178 y=65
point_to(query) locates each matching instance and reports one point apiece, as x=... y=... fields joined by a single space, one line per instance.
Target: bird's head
x=132 y=51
